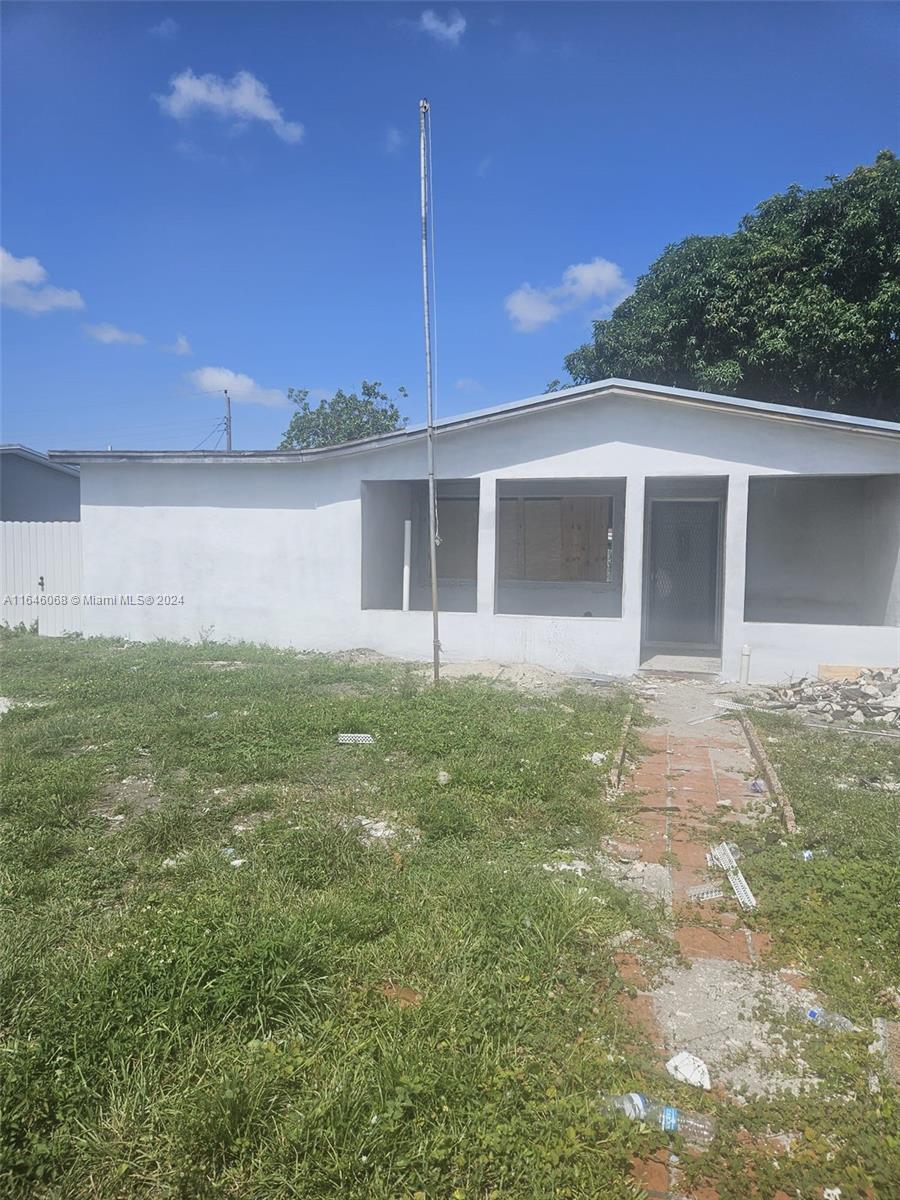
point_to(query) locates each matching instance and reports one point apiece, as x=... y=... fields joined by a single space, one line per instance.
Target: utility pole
x=227 y=420
x=424 y=138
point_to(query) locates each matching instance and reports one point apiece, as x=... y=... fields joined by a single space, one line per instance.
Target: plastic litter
x=713 y=855
x=723 y=857
x=689 y=1069
x=705 y=891
x=809 y=855
x=757 y=786
x=830 y=1020
x=355 y=739
x=598 y=758
x=695 y=1128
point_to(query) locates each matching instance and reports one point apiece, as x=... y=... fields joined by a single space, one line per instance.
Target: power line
x=219 y=428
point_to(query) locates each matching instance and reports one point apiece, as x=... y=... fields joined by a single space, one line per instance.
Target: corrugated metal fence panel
x=35 y=550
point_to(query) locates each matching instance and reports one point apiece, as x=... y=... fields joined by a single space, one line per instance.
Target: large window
x=559 y=547
x=395 y=524
x=824 y=550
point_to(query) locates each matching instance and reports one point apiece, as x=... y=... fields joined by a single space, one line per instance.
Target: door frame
x=648 y=648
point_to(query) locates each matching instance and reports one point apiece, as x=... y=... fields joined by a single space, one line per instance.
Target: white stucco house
x=594 y=529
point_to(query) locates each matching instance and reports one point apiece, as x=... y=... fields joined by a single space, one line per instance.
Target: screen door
x=682 y=598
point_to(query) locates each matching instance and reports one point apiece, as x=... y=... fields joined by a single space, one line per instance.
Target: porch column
x=735 y=568
x=633 y=567
x=487 y=526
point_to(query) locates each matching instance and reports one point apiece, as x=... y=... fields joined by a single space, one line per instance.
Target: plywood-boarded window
x=555 y=539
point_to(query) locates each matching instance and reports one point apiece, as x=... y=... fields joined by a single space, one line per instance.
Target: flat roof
x=734 y=404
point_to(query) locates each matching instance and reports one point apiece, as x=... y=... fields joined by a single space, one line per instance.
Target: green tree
x=801 y=305
x=344 y=418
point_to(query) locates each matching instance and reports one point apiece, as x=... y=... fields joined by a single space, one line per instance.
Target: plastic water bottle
x=830 y=1020
x=693 y=1127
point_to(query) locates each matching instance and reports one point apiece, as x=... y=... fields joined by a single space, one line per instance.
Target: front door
x=681 y=608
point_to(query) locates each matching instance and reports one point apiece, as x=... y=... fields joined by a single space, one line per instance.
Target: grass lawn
x=836 y=914
x=429 y=1014
x=835 y=917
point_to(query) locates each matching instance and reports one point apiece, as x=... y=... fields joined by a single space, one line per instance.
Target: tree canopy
x=801 y=305
x=344 y=417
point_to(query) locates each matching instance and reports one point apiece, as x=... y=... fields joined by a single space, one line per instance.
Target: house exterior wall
x=272 y=552
x=36 y=491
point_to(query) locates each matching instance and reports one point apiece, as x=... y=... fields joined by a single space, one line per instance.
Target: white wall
x=272 y=552
x=385 y=508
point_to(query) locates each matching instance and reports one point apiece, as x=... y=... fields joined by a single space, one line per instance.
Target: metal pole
x=227 y=420
x=426 y=296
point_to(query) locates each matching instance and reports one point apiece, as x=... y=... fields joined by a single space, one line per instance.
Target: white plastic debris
x=443 y=778
x=689 y=1069
x=237 y=862
x=705 y=891
x=355 y=739
x=576 y=865
x=373 y=828
x=721 y=856
x=598 y=758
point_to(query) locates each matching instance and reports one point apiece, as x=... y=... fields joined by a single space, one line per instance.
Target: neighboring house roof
x=780 y=412
x=35 y=456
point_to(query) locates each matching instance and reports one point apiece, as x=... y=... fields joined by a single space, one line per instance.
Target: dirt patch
x=403 y=997
x=250 y=822
x=375 y=830
x=732 y=1016
x=6 y=704
x=361 y=656
x=526 y=677
x=350 y=690
x=133 y=794
x=221 y=664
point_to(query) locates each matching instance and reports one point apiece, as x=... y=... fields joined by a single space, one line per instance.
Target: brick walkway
x=695 y=772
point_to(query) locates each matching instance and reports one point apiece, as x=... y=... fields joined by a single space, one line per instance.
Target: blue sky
x=194 y=190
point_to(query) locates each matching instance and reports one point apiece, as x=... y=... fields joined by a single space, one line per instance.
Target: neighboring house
x=596 y=529
x=32 y=488
x=40 y=545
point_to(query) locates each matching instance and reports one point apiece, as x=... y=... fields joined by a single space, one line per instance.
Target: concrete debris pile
x=872 y=696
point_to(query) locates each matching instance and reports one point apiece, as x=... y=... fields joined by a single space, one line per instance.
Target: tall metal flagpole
x=424 y=131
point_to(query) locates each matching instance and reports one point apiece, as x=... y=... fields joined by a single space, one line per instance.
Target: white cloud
x=111 y=335
x=23 y=286
x=167 y=28
x=467 y=384
x=241 y=388
x=180 y=346
x=449 y=30
x=243 y=98
x=393 y=140
x=530 y=308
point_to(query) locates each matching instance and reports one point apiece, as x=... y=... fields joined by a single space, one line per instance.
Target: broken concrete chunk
x=687 y=1068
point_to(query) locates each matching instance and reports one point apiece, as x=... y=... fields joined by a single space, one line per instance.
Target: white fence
x=40 y=572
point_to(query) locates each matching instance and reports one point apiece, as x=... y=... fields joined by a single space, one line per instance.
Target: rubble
x=873 y=696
